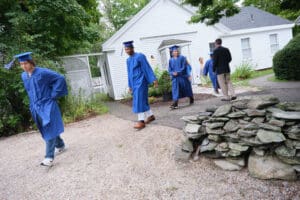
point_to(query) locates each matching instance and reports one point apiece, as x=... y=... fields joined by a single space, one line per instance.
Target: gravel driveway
x=107 y=159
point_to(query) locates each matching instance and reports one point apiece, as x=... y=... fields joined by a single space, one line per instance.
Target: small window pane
x=246 y=49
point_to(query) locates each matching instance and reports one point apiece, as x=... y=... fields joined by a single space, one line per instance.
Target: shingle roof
x=251 y=17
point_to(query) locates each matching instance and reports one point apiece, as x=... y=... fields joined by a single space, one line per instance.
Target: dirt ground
x=107 y=159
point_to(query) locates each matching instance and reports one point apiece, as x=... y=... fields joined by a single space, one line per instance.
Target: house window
x=246 y=49
x=274 y=43
x=211 y=46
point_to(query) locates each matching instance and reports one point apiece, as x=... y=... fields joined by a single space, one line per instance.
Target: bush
x=154 y=92
x=164 y=83
x=14 y=103
x=243 y=71
x=286 y=62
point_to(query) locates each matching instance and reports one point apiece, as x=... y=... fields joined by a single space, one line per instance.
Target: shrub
x=286 y=62
x=154 y=92
x=243 y=71
x=164 y=83
x=14 y=104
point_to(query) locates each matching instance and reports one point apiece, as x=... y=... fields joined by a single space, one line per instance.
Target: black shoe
x=233 y=98
x=191 y=100
x=174 y=105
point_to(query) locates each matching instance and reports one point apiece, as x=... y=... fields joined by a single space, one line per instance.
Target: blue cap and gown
x=208 y=69
x=140 y=75
x=181 y=86
x=43 y=87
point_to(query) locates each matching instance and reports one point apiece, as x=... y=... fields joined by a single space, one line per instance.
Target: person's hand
x=155 y=84
x=175 y=73
x=130 y=90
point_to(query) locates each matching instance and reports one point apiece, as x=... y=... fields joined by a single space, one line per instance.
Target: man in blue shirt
x=208 y=69
x=140 y=75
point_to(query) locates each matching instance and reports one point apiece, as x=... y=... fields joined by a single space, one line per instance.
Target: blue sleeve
x=57 y=83
x=170 y=69
x=183 y=66
x=129 y=72
x=189 y=70
x=146 y=68
x=205 y=69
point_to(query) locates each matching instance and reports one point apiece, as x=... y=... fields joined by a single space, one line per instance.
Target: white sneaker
x=60 y=150
x=47 y=162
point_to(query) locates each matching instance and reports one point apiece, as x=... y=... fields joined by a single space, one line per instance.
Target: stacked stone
x=257 y=129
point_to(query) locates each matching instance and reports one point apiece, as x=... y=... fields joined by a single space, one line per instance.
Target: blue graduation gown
x=140 y=75
x=181 y=86
x=43 y=87
x=208 y=69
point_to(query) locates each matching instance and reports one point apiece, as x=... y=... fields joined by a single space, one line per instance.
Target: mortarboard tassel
x=9 y=65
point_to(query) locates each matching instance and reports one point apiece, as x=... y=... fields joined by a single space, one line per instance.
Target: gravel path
x=107 y=159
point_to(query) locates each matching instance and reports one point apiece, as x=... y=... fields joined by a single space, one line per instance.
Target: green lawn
x=274 y=79
x=254 y=74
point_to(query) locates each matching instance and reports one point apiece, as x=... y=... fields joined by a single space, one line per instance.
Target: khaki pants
x=226 y=85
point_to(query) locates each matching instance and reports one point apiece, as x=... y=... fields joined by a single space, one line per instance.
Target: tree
x=50 y=27
x=289 y=9
x=118 y=12
x=211 y=11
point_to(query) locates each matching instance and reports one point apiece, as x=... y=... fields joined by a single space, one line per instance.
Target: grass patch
x=237 y=81
x=77 y=108
x=274 y=79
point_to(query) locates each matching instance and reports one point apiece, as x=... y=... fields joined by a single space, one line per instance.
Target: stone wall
x=258 y=132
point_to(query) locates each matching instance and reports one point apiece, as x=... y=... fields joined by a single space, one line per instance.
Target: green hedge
x=286 y=62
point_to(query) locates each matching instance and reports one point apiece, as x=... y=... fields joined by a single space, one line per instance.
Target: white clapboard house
x=252 y=35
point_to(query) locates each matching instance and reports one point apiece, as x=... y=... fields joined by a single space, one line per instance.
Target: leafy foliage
x=286 y=62
x=289 y=9
x=165 y=85
x=50 y=28
x=118 y=12
x=210 y=11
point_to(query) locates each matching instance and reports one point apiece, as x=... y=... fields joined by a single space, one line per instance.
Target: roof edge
x=255 y=30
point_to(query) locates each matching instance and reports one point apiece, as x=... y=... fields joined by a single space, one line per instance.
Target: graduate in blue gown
x=44 y=87
x=179 y=72
x=208 y=69
x=140 y=75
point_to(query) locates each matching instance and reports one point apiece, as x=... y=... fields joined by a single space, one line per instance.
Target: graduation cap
x=24 y=56
x=175 y=47
x=128 y=44
x=21 y=57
